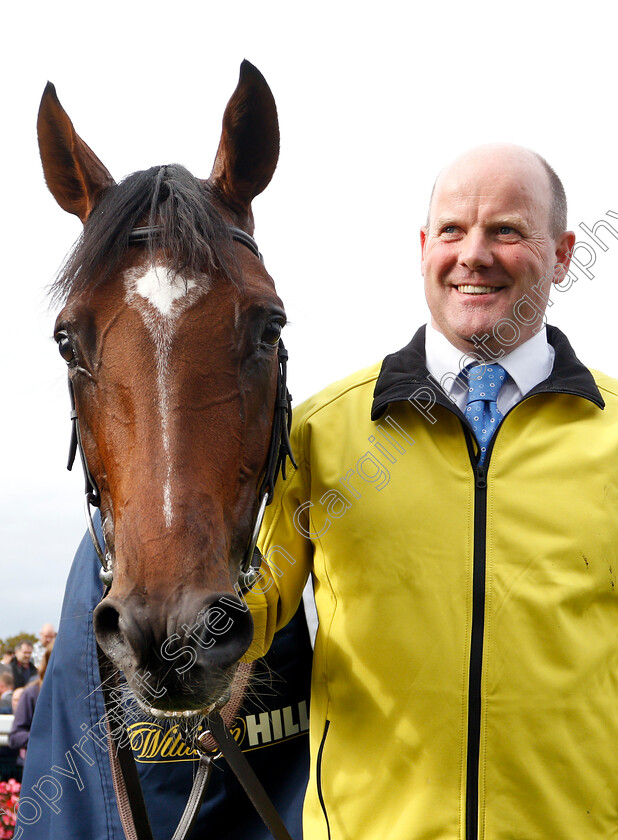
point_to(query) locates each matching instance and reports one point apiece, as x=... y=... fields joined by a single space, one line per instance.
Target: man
x=6 y=693
x=47 y=634
x=5 y=661
x=22 y=667
x=464 y=547
x=9 y=769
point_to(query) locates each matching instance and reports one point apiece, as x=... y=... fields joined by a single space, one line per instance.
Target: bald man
x=496 y=235
x=47 y=634
x=457 y=506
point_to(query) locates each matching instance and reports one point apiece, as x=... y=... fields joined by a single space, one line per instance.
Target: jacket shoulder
x=336 y=392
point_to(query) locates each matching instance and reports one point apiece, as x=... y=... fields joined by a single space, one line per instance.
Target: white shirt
x=527 y=365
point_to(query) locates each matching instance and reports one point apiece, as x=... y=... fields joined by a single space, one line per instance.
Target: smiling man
x=494 y=243
x=496 y=236
x=457 y=506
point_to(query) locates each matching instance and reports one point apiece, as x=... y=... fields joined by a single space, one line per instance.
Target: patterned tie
x=484 y=383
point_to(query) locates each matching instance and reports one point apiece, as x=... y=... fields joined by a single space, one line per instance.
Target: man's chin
x=469 y=336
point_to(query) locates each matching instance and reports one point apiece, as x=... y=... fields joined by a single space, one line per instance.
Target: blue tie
x=484 y=383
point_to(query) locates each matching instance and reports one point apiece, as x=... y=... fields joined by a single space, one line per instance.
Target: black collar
x=402 y=373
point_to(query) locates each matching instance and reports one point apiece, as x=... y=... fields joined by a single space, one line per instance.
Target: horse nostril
x=107 y=628
x=225 y=630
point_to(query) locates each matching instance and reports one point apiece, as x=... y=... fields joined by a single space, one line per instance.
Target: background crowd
x=22 y=669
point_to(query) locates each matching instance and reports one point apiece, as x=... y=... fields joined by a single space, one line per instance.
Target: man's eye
x=506 y=230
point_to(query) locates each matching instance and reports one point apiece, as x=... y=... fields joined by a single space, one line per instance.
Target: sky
x=373 y=100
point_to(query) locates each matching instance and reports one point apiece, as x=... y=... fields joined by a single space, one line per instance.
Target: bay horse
x=170 y=328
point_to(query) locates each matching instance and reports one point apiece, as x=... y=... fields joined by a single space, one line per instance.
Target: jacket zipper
x=319 y=776
x=475 y=673
x=476 y=652
x=477 y=636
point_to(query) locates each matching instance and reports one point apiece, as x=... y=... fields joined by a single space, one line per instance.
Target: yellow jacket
x=465 y=677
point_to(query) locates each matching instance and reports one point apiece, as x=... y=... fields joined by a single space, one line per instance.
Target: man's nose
x=476 y=251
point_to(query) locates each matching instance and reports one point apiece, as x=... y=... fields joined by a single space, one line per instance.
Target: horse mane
x=191 y=233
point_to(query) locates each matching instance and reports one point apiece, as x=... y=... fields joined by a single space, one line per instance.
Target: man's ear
x=424 y=235
x=564 y=251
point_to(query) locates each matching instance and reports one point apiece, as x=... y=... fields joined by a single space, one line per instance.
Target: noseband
x=279 y=449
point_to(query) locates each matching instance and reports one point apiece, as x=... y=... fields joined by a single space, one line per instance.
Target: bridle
x=129 y=796
x=279 y=449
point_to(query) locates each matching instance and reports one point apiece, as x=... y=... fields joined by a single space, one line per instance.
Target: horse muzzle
x=181 y=659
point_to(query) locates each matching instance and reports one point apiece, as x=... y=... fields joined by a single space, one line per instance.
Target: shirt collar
x=405 y=372
x=531 y=362
x=527 y=365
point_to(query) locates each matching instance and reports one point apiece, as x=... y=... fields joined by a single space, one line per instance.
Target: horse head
x=170 y=327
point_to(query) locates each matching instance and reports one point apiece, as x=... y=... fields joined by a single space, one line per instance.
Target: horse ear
x=74 y=174
x=249 y=146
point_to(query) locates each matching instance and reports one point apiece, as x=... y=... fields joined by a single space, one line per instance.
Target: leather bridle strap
x=196 y=797
x=147 y=234
x=247 y=778
x=129 y=796
x=127 y=787
x=279 y=450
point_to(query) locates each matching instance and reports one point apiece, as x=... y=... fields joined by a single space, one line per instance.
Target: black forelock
x=192 y=233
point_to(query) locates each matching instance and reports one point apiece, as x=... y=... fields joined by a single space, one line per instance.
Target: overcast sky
x=373 y=100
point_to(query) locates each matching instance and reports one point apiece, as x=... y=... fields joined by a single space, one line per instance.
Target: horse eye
x=65 y=348
x=271 y=333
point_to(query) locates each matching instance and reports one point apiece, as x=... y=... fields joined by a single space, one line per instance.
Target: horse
x=170 y=328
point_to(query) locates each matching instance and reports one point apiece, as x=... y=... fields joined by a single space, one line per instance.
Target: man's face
x=47 y=635
x=487 y=245
x=23 y=654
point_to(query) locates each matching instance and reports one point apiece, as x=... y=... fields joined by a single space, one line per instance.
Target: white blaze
x=162 y=290
x=161 y=299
